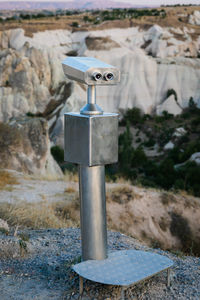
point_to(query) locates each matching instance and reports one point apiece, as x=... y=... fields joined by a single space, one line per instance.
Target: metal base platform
x=123 y=268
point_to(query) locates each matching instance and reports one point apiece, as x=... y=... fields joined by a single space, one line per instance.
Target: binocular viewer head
x=90 y=71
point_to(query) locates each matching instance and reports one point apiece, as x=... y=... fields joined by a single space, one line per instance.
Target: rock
x=179 y=132
x=17 y=38
x=3 y=225
x=100 y=43
x=195 y=157
x=170 y=105
x=169 y=146
x=194 y=19
x=10 y=247
x=25 y=147
x=31 y=77
x=28 y=76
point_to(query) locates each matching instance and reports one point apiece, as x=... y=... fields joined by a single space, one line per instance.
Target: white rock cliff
x=151 y=62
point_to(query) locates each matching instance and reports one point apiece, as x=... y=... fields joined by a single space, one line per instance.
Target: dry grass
x=70 y=177
x=164 y=224
x=67 y=176
x=70 y=190
x=7 y=180
x=42 y=24
x=121 y=194
x=167 y=198
x=42 y=215
x=123 y=180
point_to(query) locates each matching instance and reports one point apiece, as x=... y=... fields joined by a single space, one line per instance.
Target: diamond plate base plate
x=124 y=268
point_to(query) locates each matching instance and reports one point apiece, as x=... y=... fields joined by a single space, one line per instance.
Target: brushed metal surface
x=91 y=108
x=83 y=69
x=91 y=140
x=124 y=267
x=93 y=212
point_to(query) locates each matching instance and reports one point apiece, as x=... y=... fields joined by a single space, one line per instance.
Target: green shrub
x=166 y=115
x=172 y=92
x=138 y=140
x=133 y=116
x=138 y=157
x=150 y=143
x=75 y=24
x=58 y=153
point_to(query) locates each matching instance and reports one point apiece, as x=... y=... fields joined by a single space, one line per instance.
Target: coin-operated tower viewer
x=91 y=141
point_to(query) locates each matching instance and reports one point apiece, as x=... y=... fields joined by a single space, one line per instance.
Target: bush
x=138 y=157
x=75 y=24
x=133 y=116
x=166 y=174
x=125 y=150
x=190 y=174
x=58 y=153
x=166 y=115
x=172 y=92
x=150 y=143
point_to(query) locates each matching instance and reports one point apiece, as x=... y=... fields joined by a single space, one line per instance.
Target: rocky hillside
x=152 y=61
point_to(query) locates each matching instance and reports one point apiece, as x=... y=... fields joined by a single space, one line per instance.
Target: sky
x=159 y=2
x=134 y=2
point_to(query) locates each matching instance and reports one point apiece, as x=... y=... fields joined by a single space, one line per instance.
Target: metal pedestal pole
x=93 y=212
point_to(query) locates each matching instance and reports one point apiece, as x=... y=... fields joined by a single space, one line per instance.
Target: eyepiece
x=108 y=76
x=97 y=76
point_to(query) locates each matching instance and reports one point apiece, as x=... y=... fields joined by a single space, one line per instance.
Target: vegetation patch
x=41 y=215
x=167 y=198
x=180 y=228
x=155 y=132
x=6 y=179
x=163 y=223
x=121 y=195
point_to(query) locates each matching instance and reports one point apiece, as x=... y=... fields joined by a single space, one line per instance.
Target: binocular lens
x=97 y=76
x=109 y=76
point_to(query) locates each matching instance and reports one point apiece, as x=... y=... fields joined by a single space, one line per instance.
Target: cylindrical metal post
x=91 y=94
x=93 y=212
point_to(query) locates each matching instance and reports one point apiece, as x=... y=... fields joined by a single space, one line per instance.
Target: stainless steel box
x=91 y=140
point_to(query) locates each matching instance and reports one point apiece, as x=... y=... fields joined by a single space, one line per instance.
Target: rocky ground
x=40 y=268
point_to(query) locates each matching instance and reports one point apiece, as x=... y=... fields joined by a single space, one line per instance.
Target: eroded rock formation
x=25 y=147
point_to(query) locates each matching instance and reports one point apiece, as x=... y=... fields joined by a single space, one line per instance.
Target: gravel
x=43 y=269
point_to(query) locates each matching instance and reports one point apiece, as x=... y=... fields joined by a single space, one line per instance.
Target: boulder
x=169 y=146
x=195 y=157
x=3 y=226
x=17 y=38
x=25 y=147
x=194 y=19
x=29 y=76
x=179 y=132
